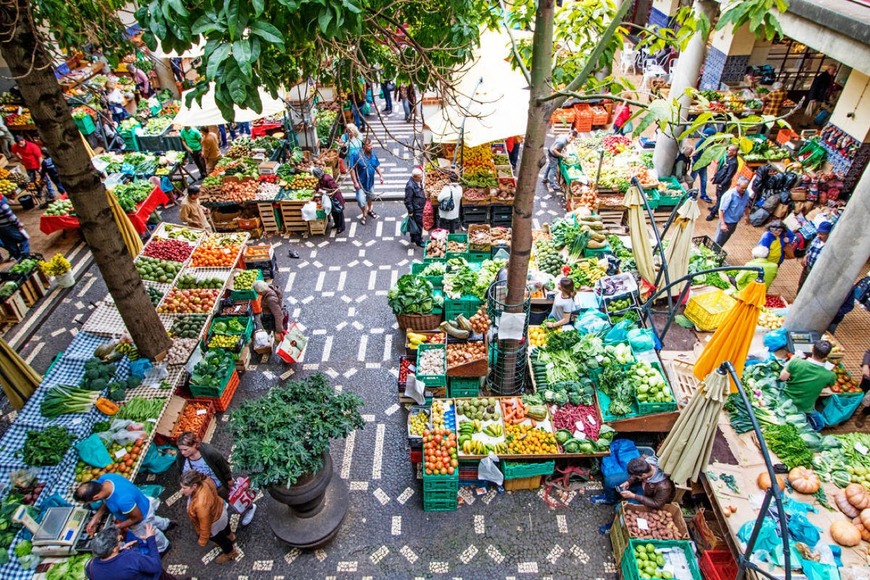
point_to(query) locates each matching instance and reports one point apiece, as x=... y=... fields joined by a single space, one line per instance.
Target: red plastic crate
x=718 y=565
x=416 y=456
x=786 y=135
x=223 y=403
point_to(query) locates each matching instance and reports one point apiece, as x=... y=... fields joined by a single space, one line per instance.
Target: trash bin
x=26 y=201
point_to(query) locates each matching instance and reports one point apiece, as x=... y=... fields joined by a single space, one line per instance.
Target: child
x=48 y=170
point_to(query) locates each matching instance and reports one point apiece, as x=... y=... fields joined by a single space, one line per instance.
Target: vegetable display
x=440 y=452
x=129 y=195
x=46 y=447
x=660 y=525
x=213 y=369
x=412 y=295
x=157 y=270
x=189 y=301
x=61 y=399
x=194 y=418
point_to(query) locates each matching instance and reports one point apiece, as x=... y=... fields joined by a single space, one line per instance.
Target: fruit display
x=616 y=144
x=462 y=353
x=436 y=249
x=213 y=369
x=771 y=301
x=547 y=258
x=769 y=320
x=480 y=437
x=154 y=294
x=483 y=409
x=60 y=207
x=845 y=383
x=587 y=272
x=124 y=458
x=528 y=440
x=538 y=336
x=245 y=279
x=215 y=257
x=157 y=270
x=582 y=194
x=181 y=233
x=301 y=181
x=438 y=414
x=198 y=300
x=238 y=191
x=418 y=422
x=187 y=281
x=7 y=187
x=650 y=562
x=456 y=247
x=180 y=351
x=172 y=250
x=223 y=341
x=193 y=418
x=188 y=326
x=240 y=148
x=416 y=339
x=480 y=322
x=439 y=452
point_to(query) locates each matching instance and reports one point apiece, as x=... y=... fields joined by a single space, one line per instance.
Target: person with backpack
x=449 y=201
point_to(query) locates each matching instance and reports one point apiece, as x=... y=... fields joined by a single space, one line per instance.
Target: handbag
x=343 y=151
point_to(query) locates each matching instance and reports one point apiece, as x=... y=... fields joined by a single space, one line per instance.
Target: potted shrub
x=413 y=301
x=60 y=268
x=282 y=443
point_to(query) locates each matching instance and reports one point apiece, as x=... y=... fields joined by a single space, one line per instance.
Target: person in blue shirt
x=732 y=207
x=775 y=239
x=132 y=510
x=363 y=166
x=115 y=560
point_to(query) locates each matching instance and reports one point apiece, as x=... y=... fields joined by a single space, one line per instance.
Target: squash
x=857 y=496
x=864 y=516
x=804 y=480
x=764 y=481
x=843 y=503
x=845 y=533
x=865 y=533
x=106 y=407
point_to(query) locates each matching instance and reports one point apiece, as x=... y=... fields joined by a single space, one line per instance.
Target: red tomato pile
x=269 y=178
x=439 y=452
x=773 y=301
x=403 y=370
x=173 y=250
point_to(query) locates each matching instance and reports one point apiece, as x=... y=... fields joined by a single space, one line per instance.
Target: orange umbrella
x=732 y=339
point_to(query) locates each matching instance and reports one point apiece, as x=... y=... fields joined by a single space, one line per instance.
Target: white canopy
x=209 y=114
x=493 y=99
x=196 y=50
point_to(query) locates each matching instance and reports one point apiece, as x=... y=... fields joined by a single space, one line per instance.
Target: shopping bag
x=93 y=452
x=293 y=346
x=262 y=341
x=159 y=459
x=405 y=224
x=241 y=496
x=487 y=470
x=309 y=211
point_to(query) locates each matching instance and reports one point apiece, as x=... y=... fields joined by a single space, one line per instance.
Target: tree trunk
x=533 y=152
x=32 y=67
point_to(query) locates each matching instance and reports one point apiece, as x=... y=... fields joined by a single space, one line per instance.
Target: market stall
x=58 y=216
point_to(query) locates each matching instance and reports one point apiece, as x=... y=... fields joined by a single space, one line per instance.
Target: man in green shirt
x=192 y=141
x=805 y=379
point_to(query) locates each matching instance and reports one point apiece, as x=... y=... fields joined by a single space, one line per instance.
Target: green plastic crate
x=595 y=252
x=212 y=392
x=467 y=306
x=478 y=256
x=514 y=470
x=658 y=407
x=441 y=501
x=249 y=327
x=427 y=260
x=85 y=125
x=131 y=143
x=653 y=197
x=629 y=560
x=461 y=238
x=246 y=294
x=457 y=238
x=675 y=192
x=464 y=387
x=604 y=404
x=433 y=380
x=417 y=267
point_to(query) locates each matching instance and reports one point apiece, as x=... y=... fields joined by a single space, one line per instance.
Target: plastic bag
x=414 y=389
x=641 y=339
x=309 y=211
x=122 y=431
x=489 y=471
x=591 y=322
x=839 y=408
x=140 y=367
x=93 y=451
x=776 y=339
x=802 y=530
x=155 y=375
x=406 y=225
x=151 y=490
x=262 y=339
x=159 y=458
x=619 y=333
x=326 y=202
x=817 y=571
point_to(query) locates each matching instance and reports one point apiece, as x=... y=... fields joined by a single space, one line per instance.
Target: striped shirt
x=7 y=217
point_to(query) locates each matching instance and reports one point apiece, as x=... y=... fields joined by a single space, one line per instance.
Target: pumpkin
x=845 y=533
x=803 y=480
x=764 y=481
x=865 y=533
x=864 y=516
x=843 y=503
x=857 y=496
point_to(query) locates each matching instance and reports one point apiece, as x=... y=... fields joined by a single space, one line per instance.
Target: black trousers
x=222 y=539
x=450 y=225
x=338 y=219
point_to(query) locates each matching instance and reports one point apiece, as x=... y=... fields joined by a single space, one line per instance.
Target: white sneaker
x=249 y=515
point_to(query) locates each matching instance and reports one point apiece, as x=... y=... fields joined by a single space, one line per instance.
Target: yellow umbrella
x=125 y=226
x=639 y=234
x=732 y=339
x=677 y=252
x=19 y=380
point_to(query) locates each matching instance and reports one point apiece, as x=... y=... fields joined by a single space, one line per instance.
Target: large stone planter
x=309 y=514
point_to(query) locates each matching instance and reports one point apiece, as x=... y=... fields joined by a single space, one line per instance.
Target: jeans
x=514 y=155
x=552 y=174
x=450 y=225
x=723 y=237
x=406 y=106
x=160 y=523
x=244 y=129
x=357 y=117
x=720 y=191
x=816 y=421
x=701 y=174
x=388 y=97
x=223 y=131
x=14 y=241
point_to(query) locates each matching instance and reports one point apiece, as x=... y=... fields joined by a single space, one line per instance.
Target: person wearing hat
x=816 y=247
x=326 y=185
x=193 y=214
x=776 y=239
x=760 y=259
x=415 y=201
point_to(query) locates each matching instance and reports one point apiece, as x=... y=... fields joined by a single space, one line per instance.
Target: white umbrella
x=207 y=113
x=677 y=253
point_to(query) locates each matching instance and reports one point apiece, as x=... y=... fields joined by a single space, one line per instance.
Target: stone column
x=163 y=68
x=839 y=264
x=685 y=76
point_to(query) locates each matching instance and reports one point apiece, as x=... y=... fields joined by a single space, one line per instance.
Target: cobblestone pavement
x=337 y=290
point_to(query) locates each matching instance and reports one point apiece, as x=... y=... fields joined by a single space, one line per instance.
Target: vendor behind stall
x=806 y=378
x=657 y=488
x=564 y=307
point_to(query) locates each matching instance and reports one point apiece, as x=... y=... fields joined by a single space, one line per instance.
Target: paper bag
x=293 y=346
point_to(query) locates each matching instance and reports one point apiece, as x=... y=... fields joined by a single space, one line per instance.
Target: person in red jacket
x=30 y=155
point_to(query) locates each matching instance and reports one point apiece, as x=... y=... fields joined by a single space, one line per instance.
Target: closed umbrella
x=677 y=253
x=125 y=226
x=732 y=339
x=639 y=234
x=18 y=378
x=686 y=451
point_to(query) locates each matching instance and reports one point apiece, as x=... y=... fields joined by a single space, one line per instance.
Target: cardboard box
x=170 y=416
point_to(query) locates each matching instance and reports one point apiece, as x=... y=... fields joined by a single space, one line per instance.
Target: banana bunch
x=472 y=447
x=593 y=272
x=129 y=349
x=494 y=430
x=459 y=328
x=470 y=427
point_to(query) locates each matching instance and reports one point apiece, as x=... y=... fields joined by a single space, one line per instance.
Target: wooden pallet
x=317 y=227
x=13 y=308
x=291 y=215
x=267 y=217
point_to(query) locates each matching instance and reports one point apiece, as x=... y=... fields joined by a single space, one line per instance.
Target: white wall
x=852 y=112
x=734 y=43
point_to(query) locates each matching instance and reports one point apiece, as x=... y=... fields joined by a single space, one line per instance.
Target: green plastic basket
x=674 y=192
x=644 y=408
x=630 y=570
x=250 y=294
x=467 y=306
x=85 y=125
x=433 y=380
x=211 y=392
x=604 y=404
x=513 y=470
x=464 y=387
x=427 y=260
x=417 y=267
x=441 y=501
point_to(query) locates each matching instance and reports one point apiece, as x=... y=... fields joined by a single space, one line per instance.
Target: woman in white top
x=452 y=193
x=563 y=304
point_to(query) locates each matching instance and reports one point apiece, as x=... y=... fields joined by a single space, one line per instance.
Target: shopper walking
x=363 y=167
x=29 y=154
x=191 y=139
x=13 y=236
x=48 y=174
x=819 y=90
x=777 y=240
x=449 y=202
x=812 y=255
x=734 y=204
x=415 y=201
x=115 y=559
x=402 y=95
x=723 y=177
x=192 y=213
x=274 y=317
x=327 y=186
x=554 y=154
x=513 y=145
x=208 y=514
x=211 y=152
x=387 y=88
x=132 y=510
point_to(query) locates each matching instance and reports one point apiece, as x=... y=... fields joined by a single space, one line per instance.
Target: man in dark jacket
x=722 y=179
x=819 y=89
x=415 y=201
x=658 y=489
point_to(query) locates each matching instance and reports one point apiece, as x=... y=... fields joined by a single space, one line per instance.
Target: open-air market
x=467 y=289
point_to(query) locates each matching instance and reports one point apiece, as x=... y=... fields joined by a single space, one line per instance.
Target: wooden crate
x=29 y=293
x=267 y=217
x=244 y=359
x=13 y=308
x=523 y=483
x=291 y=215
x=317 y=227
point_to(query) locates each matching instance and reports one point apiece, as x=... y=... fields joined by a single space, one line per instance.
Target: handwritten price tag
x=201 y=411
x=120 y=453
x=642 y=524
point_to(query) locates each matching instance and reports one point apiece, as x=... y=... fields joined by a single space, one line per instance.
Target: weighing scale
x=801 y=340
x=60 y=533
